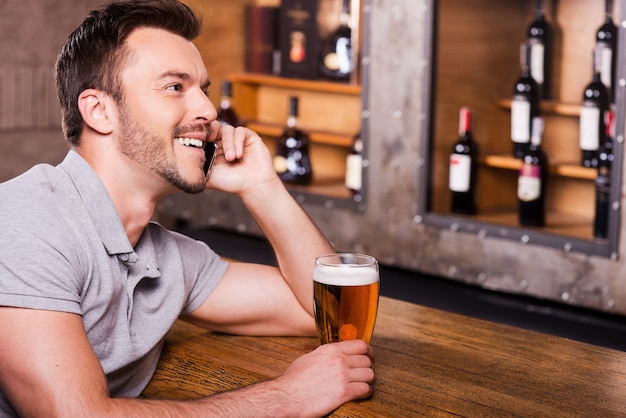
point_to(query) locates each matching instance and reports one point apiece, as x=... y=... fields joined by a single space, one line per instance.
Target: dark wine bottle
x=603 y=179
x=524 y=106
x=463 y=167
x=540 y=43
x=531 y=184
x=226 y=114
x=595 y=103
x=606 y=40
x=336 y=57
x=354 y=168
x=291 y=159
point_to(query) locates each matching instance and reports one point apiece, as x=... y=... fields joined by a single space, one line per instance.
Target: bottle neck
x=540 y=10
x=292 y=120
x=597 y=63
x=537 y=132
x=465 y=121
x=344 y=17
x=293 y=112
x=524 y=59
x=225 y=102
x=609 y=122
x=226 y=89
x=608 y=10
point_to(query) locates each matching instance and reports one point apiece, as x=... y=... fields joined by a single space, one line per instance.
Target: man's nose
x=203 y=108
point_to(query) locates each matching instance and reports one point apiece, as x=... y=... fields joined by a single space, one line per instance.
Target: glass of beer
x=345 y=296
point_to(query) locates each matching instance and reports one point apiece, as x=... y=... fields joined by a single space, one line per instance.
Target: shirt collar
x=96 y=199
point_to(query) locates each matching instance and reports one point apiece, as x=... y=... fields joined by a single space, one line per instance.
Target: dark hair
x=94 y=53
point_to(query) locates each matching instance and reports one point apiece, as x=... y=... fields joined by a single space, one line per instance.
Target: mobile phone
x=210 y=151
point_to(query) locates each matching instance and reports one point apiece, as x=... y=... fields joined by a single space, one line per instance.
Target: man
x=89 y=286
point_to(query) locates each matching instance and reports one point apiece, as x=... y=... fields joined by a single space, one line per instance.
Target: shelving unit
x=549 y=107
x=329 y=112
x=555 y=169
x=473 y=70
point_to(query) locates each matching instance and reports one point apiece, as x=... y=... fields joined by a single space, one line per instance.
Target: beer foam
x=345 y=275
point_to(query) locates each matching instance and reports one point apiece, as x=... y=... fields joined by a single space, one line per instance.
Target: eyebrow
x=183 y=76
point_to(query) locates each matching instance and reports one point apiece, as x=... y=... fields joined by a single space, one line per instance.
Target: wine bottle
x=226 y=114
x=291 y=159
x=531 y=184
x=524 y=106
x=603 y=179
x=595 y=103
x=540 y=43
x=336 y=57
x=463 y=167
x=354 y=168
x=606 y=40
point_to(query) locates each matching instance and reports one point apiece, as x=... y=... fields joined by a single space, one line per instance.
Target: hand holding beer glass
x=346 y=289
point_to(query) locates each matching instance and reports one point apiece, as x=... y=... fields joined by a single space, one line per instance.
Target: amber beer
x=345 y=288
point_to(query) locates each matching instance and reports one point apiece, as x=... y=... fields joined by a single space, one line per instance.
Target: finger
x=241 y=136
x=363 y=374
x=356 y=347
x=215 y=131
x=227 y=143
x=360 y=390
x=360 y=361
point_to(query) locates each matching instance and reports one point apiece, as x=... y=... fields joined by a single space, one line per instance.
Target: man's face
x=165 y=114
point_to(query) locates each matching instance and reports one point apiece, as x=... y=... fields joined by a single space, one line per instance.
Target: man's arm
x=47 y=368
x=267 y=300
x=295 y=238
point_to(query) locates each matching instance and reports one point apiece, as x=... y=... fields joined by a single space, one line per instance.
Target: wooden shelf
x=325 y=185
x=473 y=71
x=565 y=169
x=296 y=84
x=330 y=113
x=563 y=224
x=551 y=107
x=274 y=131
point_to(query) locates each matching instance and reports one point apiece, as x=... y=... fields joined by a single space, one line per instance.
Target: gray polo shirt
x=64 y=248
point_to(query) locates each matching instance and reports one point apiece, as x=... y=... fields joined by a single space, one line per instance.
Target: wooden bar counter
x=428 y=363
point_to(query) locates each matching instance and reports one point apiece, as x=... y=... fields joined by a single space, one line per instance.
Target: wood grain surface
x=428 y=363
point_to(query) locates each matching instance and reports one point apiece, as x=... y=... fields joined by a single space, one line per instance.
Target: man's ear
x=97 y=109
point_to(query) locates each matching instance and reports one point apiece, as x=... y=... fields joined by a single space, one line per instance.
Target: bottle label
x=520 y=120
x=297 y=49
x=344 y=54
x=589 y=127
x=529 y=183
x=331 y=61
x=537 y=51
x=606 y=67
x=460 y=172
x=280 y=164
x=353 y=172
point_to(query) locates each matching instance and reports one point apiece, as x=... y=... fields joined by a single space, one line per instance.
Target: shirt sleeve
x=39 y=262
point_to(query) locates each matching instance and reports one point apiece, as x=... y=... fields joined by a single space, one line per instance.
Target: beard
x=151 y=150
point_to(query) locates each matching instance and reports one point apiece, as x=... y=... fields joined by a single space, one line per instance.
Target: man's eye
x=175 y=87
x=206 y=91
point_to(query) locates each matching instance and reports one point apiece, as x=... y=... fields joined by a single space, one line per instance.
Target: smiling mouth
x=190 y=142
